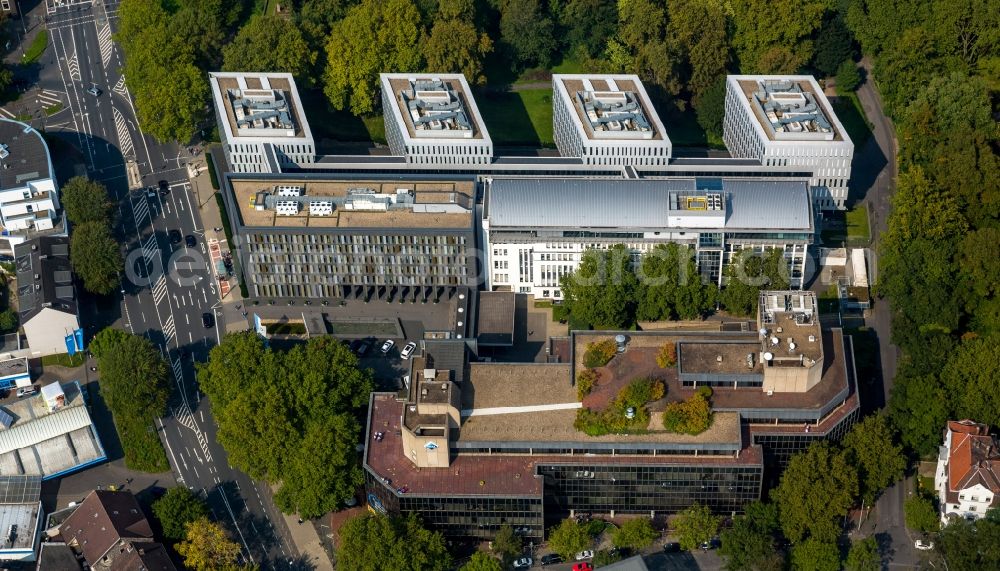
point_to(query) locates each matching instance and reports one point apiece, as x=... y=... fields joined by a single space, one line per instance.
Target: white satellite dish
x=768 y=356
x=774 y=340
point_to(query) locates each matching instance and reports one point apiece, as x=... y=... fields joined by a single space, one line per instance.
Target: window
x=975 y=498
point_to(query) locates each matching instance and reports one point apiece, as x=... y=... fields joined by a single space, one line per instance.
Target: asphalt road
x=168 y=287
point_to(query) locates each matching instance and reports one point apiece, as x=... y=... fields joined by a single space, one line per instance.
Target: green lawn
x=858 y=233
x=64 y=360
x=340 y=126
x=211 y=170
x=518 y=117
x=37 y=47
x=684 y=130
x=851 y=114
x=53 y=109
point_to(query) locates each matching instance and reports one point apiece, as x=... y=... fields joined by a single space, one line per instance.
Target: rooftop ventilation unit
x=283 y=190
x=286 y=207
x=4 y=153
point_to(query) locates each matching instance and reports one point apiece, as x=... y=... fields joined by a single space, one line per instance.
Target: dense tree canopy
x=269 y=43
x=748 y=274
x=506 y=544
x=455 y=45
x=526 y=31
x=880 y=461
x=176 y=509
x=482 y=561
x=775 y=37
x=95 y=257
x=85 y=200
x=815 y=555
x=208 y=547
x=816 y=489
x=601 y=292
x=569 y=538
x=749 y=544
x=695 y=525
x=864 y=556
x=374 y=542
x=635 y=534
x=289 y=416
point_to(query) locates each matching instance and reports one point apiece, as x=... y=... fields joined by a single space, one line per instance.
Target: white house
x=967 y=479
x=29 y=201
x=786 y=120
x=261 y=121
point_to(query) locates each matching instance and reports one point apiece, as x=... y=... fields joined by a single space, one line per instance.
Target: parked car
x=923 y=545
x=94 y=91
x=6 y=258
x=364 y=347
x=583 y=566
x=671 y=547
x=408 y=350
x=551 y=559
x=175 y=236
x=523 y=563
x=189 y=241
x=26 y=391
x=354 y=346
x=164 y=187
x=711 y=543
x=587 y=554
x=208 y=320
x=387 y=346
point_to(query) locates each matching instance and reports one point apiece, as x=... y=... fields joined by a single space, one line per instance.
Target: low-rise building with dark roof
x=495 y=325
x=29 y=202
x=109 y=531
x=46 y=298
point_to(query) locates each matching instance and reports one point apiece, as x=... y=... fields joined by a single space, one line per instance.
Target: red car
x=583 y=566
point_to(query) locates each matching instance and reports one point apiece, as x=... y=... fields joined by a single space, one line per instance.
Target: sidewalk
x=307 y=542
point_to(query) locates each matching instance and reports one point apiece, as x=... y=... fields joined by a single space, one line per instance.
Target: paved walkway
x=307 y=541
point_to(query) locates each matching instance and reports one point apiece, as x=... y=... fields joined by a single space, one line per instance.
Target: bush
x=635 y=534
x=585 y=383
x=704 y=391
x=605 y=557
x=612 y=420
x=667 y=356
x=848 y=77
x=920 y=514
x=641 y=391
x=8 y=321
x=692 y=416
x=599 y=353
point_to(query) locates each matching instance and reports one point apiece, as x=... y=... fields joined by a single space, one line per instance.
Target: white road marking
x=106 y=44
x=124 y=137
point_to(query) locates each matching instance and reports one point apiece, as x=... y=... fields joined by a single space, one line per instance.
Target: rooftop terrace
x=310 y=203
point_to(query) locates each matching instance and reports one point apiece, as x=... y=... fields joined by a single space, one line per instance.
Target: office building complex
x=538 y=229
x=433 y=119
x=607 y=120
x=473 y=446
x=261 y=122
x=29 y=201
x=967 y=479
x=785 y=120
x=321 y=237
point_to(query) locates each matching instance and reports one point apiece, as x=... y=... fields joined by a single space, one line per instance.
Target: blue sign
x=78 y=334
x=375 y=504
x=431 y=445
x=71 y=344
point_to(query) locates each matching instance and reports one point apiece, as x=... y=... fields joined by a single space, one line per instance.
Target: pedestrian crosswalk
x=160 y=289
x=74 y=68
x=124 y=137
x=168 y=329
x=106 y=44
x=48 y=98
x=150 y=249
x=140 y=209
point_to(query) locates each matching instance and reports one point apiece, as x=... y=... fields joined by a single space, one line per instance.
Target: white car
x=588 y=554
x=523 y=563
x=923 y=545
x=408 y=350
x=26 y=391
x=387 y=346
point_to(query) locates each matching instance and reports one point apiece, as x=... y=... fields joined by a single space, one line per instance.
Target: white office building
x=607 y=120
x=433 y=119
x=536 y=230
x=29 y=200
x=261 y=121
x=785 y=120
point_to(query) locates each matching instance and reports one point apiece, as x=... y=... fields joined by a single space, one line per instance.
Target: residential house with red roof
x=968 y=471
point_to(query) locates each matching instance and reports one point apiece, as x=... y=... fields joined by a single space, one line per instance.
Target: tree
x=269 y=43
x=317 y=17
x=133 y=373
x=289 y=417
x=747 y=274
x=601 y=291
x=711 y=108
x=848 y=76
x=454 y=44
x=695 y=525
x=641 y=46
x=670 y=285
x=176 y=509
x=635 y=534
x=920 y=514
x=95 y=257
x=692 y=416
x=749 y=543
x=817 y=488
x=589 y=24
x=569 y=538
x=526 y=31
x=207 y=547
x=698 y=30
x=482 y=561
x=918 y=407
x=816 y=555
x=371 y=542
x=864 y=556
x=506 y=544
x=8 y=321
x=85 y=201
x=374 y=37
x=776 y=39
x=834 y=45
x=879 y=460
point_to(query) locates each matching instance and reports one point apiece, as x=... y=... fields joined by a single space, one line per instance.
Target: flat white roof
x=259 y=107
x=434 y=107
x=610 y=107
x=790 y=108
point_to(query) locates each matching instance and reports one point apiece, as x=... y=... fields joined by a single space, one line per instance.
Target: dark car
x=355 y=345
x=551 y=559
x=164 y=187
x=6 y=258
x=364 y=347
x=208 y=320
x=671 y=547
x=175 y=237
x=189 y=241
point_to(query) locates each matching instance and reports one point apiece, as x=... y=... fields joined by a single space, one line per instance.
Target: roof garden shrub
x=585 y=380
x=615 y=419
x=599 y=353
x=692 y=416
x=667 y=356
